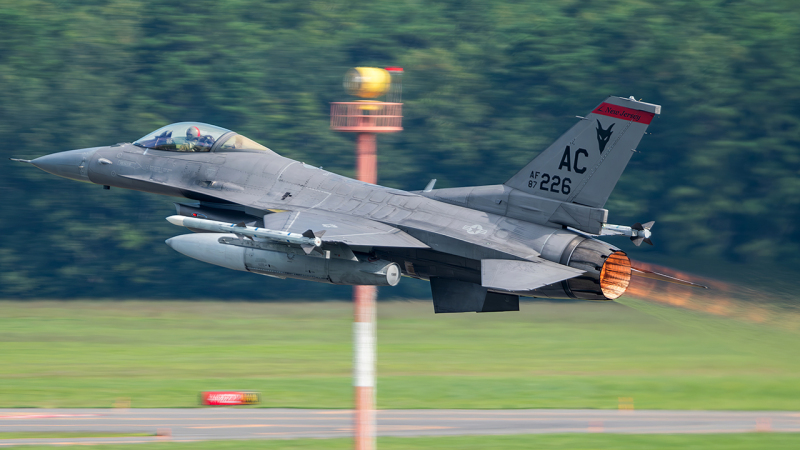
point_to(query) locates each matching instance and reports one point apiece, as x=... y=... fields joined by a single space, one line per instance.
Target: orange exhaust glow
x=679 y=295
x=615 y=275
x=721 y=299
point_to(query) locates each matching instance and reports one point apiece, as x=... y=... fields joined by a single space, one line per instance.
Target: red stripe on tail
x=621 y=112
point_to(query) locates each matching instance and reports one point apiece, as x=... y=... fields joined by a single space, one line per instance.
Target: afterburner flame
x=721 y=299
x=615 y=275
x=717 y=300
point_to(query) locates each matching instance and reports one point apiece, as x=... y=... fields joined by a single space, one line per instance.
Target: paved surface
x=251 y=423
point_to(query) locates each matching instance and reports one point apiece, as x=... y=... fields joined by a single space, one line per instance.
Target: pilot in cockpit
x=196 y=141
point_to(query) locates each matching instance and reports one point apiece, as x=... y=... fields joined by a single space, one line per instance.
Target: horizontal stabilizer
x=644 y=273
x=514 y=275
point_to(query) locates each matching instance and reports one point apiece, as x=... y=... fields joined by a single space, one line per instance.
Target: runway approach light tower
x=367 y=117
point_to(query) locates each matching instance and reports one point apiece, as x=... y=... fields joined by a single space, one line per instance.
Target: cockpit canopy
x=197 y=137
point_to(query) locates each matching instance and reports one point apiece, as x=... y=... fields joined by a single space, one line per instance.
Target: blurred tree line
x=488 y=84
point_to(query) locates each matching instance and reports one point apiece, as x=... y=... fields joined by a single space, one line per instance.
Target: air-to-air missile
x=308 y=241
x=637 y=232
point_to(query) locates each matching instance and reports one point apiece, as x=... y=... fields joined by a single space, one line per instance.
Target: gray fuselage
x=262 y=182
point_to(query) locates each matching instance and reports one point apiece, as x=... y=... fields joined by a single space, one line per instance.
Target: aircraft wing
x=514 y=275
x=353 y=231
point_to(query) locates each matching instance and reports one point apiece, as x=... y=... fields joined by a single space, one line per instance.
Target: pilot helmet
x=193 y=133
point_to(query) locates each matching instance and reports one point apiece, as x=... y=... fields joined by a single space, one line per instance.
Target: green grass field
x=549 y=355
x=750 y=441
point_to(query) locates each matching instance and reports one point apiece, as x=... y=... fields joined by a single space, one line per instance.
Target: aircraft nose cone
x=72 y=164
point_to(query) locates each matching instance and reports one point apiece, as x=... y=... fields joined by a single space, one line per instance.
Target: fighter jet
x=480 y=247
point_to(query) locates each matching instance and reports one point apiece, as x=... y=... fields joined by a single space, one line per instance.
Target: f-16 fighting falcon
x=480 y=247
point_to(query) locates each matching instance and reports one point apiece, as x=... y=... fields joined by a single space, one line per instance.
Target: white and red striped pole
x=364 y=333
x=364 y=339
x=366 y=119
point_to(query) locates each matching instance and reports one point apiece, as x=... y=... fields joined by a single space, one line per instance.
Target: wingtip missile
x=638 y=232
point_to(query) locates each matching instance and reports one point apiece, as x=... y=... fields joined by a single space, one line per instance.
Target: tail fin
x=585 y=163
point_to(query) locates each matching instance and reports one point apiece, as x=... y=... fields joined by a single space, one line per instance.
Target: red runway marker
x=45 y=416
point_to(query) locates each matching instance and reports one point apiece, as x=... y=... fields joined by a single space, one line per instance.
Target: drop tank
x=334 y=266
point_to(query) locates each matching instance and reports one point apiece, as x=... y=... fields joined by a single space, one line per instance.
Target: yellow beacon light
x=367 y=82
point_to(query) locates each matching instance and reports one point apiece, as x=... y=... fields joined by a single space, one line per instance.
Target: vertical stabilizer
x=585 y=163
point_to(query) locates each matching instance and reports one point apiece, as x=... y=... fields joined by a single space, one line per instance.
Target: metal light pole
x=367 y=117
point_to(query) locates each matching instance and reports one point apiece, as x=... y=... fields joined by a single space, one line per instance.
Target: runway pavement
x=255 y=423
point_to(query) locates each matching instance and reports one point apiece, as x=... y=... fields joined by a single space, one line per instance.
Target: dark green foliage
x=487 y=86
